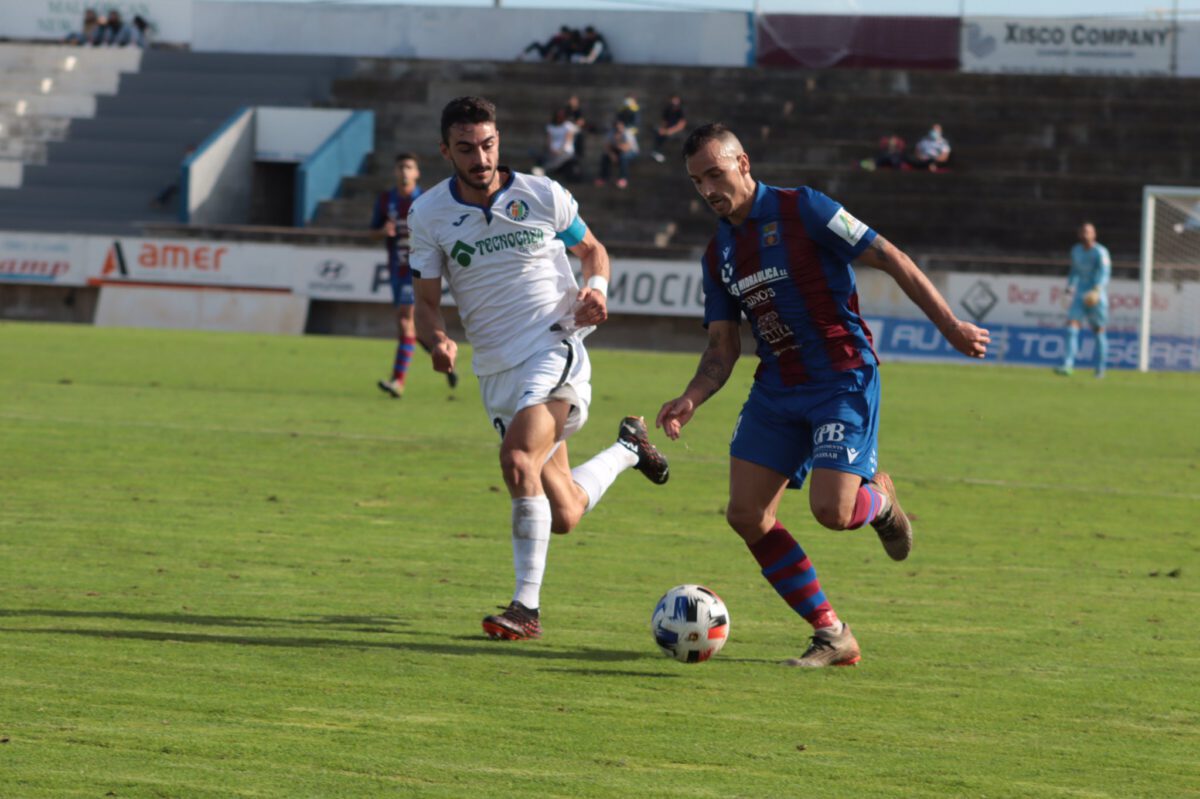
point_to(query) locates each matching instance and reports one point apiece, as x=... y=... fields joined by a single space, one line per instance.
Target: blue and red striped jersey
x=392 y=205
x=787 y=268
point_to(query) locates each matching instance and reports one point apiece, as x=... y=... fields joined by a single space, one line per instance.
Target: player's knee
x=833 y=515
x=517 y=466
x=747 y=521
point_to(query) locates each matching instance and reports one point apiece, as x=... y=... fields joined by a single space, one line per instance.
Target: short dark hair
x=407 y=156
x=703 y=135
x=466 y=111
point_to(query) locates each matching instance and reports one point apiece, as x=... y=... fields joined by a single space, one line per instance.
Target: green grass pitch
x=230 y=567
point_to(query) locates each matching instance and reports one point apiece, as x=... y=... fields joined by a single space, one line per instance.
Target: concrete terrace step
x=165 y=61
x=68 y=202
x=184 y=107
x=88 y=151
x=37 y=82
x=66 y=57
x=46 y=105
x=99 y=175
x=148 y=128
x=28 y=151
x=84 y=219
x=199 y=84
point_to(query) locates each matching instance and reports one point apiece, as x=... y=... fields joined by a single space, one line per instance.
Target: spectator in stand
x=88 y=33
x=591 y=48
x=575 y=114
x=890 y=155
x=558 y=48
x=559 y=158
x=932 y=151
x=620 y=148
x=113 y=31
x=630 y=114
x=673 y=122
x=138 y=30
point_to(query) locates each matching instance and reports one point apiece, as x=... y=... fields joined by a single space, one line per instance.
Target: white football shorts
x=562 y=372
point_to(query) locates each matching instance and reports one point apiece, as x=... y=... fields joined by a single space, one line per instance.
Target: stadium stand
x=105 y=171
x=1033 y=155
x=42 y=89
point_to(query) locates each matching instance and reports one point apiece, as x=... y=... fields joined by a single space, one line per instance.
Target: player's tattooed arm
x=716 y=364
x=965 y=337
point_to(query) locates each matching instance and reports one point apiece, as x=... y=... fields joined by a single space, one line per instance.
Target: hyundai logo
x=330 y=270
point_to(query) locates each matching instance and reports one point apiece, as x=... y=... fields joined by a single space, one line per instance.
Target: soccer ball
x=1091 y=299
x=690 y=623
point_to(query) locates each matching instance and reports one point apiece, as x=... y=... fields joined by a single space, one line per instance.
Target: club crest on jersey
x=517 y=210
x=770 y=234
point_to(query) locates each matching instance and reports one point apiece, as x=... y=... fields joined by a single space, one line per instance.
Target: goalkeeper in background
x=1087 y=293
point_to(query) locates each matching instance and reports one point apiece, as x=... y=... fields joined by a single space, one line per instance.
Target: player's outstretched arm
x=716 y=364
x=591 y=305
x=965 y=337
x=431 y=327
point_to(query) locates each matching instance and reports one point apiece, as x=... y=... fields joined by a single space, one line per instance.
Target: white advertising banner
x=52 y=20
x=1080 y=46
x=190 y=262
x=1041 y=302
x=638 y=286
x=43 y=259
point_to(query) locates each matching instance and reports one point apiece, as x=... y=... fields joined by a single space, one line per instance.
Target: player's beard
x=480 y=181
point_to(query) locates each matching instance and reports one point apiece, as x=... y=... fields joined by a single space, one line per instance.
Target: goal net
x=1169 y=322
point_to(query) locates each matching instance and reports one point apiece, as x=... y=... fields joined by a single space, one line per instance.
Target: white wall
x=292 y=134
x=645 y=37
x=1189 y=49
x=54 y=19
x=220 y=174
x=209 y=309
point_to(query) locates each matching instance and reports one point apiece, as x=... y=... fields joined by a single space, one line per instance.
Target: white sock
x=595 y=476
x=531 y=540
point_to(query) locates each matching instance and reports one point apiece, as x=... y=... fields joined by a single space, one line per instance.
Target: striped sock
x=791 y=574
x=404 y=352
x=869 y=503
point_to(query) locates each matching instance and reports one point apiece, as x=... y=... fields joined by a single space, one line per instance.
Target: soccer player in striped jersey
x=500 y=240
x=1087 y=293
x=782 y=257
x=390 y=220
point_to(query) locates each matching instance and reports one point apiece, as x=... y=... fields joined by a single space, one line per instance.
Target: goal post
x=1170 y=254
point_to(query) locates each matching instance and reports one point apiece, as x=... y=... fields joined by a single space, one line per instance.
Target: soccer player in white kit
x=499 y=238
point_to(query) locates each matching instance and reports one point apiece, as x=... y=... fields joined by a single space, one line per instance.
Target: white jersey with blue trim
x=506 y=264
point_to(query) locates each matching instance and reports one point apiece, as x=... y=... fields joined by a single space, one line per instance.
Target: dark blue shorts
x=402 y=288
x=830 y=425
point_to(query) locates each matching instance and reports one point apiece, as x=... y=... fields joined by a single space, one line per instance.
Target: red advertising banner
x=823 y=41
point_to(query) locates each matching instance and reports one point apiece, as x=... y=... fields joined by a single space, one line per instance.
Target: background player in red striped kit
x=782 y=258
x=390 y=220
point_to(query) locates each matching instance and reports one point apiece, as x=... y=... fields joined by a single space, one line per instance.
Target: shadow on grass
x=483 y=647
x=613 y=673
x=365 y=624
